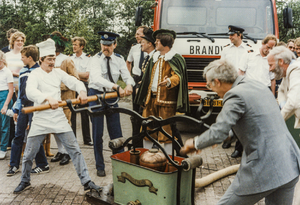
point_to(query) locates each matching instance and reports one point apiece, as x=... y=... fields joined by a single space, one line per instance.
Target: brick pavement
x=62 y=186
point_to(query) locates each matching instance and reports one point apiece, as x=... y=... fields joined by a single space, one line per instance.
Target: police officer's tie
x=108 y=70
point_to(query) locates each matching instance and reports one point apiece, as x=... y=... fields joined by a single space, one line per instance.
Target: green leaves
x=36 y=18
x=286 y=34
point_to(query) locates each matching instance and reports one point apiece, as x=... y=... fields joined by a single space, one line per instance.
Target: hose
x=204 y=181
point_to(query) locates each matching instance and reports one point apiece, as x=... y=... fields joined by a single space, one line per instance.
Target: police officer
x=135 y=60
x=106 y=68
x=233 y=53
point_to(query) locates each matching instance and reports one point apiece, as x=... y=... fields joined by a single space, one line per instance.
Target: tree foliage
x=35 y=18
x=291 y=33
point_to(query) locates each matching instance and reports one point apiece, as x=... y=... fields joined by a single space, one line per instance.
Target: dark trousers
x=136 y=124
x=137 y=79
x=12 y=124
x=85 y=122
x=17 y=143
x=238 y=146
x=113 y=127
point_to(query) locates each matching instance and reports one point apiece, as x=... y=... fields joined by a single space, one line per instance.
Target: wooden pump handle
x=31 y=109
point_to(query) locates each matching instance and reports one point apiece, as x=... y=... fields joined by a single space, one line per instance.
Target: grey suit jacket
x=271 y=157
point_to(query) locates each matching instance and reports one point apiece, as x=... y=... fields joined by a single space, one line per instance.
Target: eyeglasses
x=208 y=86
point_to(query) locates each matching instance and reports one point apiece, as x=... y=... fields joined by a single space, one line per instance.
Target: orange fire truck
x=201 y=27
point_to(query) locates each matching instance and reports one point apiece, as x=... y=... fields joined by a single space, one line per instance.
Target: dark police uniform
x=104 y=73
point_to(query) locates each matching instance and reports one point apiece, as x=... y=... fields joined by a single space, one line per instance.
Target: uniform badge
x=105 y=36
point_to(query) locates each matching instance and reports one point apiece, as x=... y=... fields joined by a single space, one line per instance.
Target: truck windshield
x=214 y=16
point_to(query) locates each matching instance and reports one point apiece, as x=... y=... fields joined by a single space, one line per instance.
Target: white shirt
x=155 y=78
x=156 y=56
x=6 y=77
x=14 y=62
x=81 y=62
x=59 y=59
x=257 y=67
x=135 y=56
x=99 y=75
x=39 y=86
x=233 y=54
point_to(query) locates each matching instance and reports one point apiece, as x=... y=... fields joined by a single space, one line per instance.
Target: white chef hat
x=46 y=48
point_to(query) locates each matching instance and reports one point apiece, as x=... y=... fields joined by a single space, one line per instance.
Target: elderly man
x=106 y=68
x=43 y=87
x=282 y=62
x=270 y=161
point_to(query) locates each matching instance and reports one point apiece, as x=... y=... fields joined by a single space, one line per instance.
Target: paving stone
x=39 y=198
x=78 y=199
x=59 y=198
x=47 y=202
x=27 y=201
x=67 y=202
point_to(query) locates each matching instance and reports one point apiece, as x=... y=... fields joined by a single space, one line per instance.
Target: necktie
x=141 y=59
x=146 y=59
x=145 y=63
x=108 y=70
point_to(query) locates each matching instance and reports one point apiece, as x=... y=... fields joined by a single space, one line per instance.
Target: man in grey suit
x=270 y=161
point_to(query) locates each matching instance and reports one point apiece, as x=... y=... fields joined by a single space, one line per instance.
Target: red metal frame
x=275 y=19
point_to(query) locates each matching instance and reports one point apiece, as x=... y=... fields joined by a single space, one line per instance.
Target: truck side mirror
x=138 y=16
x=288 y=17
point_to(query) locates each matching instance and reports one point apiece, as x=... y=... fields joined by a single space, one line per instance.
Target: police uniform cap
x=148 y=36
x=235 y=29
x=107 y=38
x=164 y=32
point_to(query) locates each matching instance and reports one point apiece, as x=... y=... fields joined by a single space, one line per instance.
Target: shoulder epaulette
x=118 y=55
x=250 y=51
x=100 y=53
x=227 y=45
x=133 y=44
x=88 y=55
x=249 y=45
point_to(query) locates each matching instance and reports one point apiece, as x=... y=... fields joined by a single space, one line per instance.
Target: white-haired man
x=283 y=63
x=43 y=87
x=269 y=149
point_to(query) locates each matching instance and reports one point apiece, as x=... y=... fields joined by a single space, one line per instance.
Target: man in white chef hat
x=43 y=87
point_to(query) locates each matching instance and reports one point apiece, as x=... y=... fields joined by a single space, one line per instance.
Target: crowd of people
x=41 y=74
x=155 y=75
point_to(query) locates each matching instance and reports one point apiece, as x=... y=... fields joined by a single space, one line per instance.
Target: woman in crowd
x=6 y=93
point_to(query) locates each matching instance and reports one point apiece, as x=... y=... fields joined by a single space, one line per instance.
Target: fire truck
x=202 y=26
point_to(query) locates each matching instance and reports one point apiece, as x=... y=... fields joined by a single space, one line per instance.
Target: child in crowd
x=29 y=57
x=6 y=92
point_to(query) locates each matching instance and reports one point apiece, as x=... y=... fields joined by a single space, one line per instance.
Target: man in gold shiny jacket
x=164 y=89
